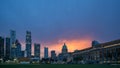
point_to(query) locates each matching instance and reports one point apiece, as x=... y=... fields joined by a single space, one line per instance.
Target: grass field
x=57 y=66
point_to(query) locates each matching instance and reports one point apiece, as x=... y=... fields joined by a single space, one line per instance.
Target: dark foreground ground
x=58 y=66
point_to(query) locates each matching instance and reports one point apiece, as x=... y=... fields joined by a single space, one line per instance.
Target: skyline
x=57 y=47
x=54 y=22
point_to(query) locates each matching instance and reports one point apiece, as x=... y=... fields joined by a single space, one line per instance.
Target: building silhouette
x=1 y=47
x=64 y=54
x=12 y=43
x=7 y=53
x=37 y=50
x=53 y=55
x=28 y=43
x=102 y=53
x=45 y=52
x=64 y=49
x=95 y=43
x=18 y=49
x=22 y=53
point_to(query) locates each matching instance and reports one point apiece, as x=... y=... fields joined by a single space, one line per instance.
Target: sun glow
x=72 y=44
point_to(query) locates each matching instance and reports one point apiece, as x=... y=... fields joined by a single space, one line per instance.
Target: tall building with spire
x=28 y=44
x=64 y=49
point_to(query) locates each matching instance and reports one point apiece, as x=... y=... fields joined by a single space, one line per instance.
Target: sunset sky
x=55 y=22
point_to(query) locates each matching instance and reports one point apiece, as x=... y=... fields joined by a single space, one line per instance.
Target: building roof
x=64 y=46
x=111 y=42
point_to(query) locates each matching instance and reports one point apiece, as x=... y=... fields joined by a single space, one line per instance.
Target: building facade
x=7 y=53
x=12 y=44
x=64 y=49
x=1 y=48
x=28 y=43
x=37 y=50
x=64 y=55
x=22 y=53
x=53 y=55
x=45 y=52
x=108 y=52
x=18 y=49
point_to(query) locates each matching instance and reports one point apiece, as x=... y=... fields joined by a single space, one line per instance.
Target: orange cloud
x=72 y=44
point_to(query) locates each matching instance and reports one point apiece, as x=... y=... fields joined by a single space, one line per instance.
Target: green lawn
x=57 y=66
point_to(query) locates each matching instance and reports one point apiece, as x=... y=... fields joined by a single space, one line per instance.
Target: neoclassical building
x=108 y=52
x=64 y=49
x=64 y=55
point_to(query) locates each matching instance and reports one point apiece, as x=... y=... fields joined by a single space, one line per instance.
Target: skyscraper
x=7 y=48
x=53 y=54
x=22 y=53
x=45 y=52
x=1 y=47
x=12 y=43
x=37 y=50
x=28 y=43
x=18 y=49
x=64 y=49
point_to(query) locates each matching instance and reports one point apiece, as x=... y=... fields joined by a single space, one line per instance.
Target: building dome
x=94 y=43
x=64 y=48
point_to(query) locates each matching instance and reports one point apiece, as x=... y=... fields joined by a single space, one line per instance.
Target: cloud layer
x=53 y=21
